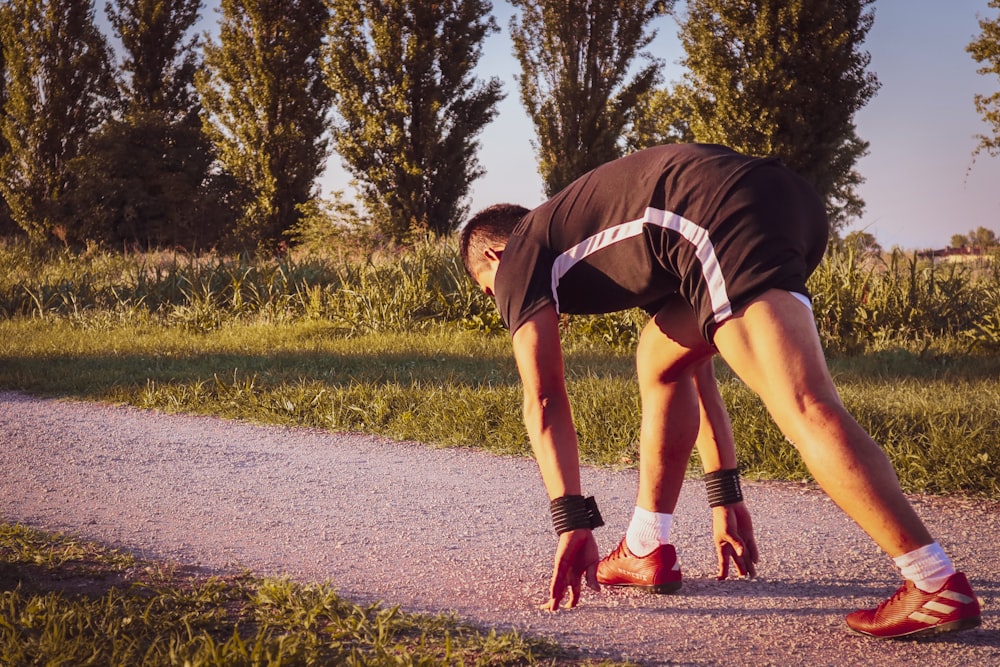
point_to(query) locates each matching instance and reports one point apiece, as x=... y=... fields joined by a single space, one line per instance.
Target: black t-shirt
x=627 y=234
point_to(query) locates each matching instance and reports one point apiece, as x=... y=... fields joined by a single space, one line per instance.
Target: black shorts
x=769 y=232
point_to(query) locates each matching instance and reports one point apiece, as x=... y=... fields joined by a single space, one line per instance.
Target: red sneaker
x=912 y=612
x=657 y=572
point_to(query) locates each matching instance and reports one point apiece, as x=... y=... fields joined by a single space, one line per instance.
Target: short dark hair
x=491 y=226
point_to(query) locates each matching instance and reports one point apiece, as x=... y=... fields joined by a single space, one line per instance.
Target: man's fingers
x=555 y=600
x=575 y=564
x=723 y=566
x=725 y=552
x=557 y=589
x=741 y=558
x=592 y=582
x=748 y=557
x=574 y=591
x=738 y=557
x=741 y=567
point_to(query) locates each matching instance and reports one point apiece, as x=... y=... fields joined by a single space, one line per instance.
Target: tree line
x=199 y=140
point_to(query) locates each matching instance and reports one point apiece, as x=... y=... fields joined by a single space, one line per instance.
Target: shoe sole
x=657 y=589
x=951 y=626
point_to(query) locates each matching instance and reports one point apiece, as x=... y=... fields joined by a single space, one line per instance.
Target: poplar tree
x=785 y=78
x=409 y=108
x=59 y=89
x=660 y=118
x=160 y=55
x=265 y=108
x=985 y=50
x=145 y=176
x=577 y=80
x=7 y=226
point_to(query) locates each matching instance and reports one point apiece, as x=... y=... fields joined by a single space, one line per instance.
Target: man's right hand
x=576 y=558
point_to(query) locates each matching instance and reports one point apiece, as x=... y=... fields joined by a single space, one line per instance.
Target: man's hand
x=576 y=557
x=732 y=531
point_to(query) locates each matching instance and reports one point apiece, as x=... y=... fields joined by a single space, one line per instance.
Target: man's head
x=485 y=236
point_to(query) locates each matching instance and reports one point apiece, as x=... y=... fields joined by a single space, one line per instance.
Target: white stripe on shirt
x=689 y=231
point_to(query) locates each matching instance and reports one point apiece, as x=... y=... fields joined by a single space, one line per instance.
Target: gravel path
x=458 y=530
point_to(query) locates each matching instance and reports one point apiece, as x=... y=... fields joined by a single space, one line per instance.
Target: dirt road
x=448 y=529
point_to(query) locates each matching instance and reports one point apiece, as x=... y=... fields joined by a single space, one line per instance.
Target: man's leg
x=774 y=347
x=671 y=354
x=670 y=350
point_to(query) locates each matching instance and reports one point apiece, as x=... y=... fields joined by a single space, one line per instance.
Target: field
x=405 y=346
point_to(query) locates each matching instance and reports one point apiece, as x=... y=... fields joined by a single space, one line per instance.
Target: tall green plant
x=985 y=50
x=409 y=107
x=265 y=105
x=577 y=79
x=771 y=77
x=866 y=303
x=145 y=176
x=59 y=89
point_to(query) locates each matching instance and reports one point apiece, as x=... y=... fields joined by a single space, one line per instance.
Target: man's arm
x=549 y=422
x=732 y=526
x=715 y=443
x=547 y=415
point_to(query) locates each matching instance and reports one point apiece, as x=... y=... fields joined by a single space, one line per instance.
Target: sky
x=922 y=184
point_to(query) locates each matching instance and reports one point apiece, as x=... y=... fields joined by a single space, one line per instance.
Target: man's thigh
x=772 y=345
x=671 y=343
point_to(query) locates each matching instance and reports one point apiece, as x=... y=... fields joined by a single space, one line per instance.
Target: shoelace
x=619 y=551
x=895 y=596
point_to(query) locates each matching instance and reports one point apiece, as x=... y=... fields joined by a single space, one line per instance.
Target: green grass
x=938 y=418
x=68 y=602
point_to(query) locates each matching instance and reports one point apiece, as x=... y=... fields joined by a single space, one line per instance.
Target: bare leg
x=774 y=347
x=670 y=352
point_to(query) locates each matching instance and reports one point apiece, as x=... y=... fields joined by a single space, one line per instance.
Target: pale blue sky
x=921 y=184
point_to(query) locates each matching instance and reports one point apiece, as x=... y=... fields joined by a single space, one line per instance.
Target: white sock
x=927 y=567
x=647 y=531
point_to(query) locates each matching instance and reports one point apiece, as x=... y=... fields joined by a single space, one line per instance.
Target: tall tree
x=985 y=50
x=7 y=225
x=408 y=106
x=785 y=78
x=266 y=106
x=577 y=81
x=660 y=117
x=160 y=54
x=59 y=88
x=145 y=176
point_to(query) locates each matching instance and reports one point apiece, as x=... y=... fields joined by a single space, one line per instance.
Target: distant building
x=962 y=254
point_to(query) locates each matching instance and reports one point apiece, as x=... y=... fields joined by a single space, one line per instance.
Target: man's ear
x=493 y=254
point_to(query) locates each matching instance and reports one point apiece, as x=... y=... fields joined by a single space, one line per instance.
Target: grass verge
x=937 y=417
x=64 y=601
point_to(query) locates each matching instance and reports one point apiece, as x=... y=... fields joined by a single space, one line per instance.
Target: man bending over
x=717 y=247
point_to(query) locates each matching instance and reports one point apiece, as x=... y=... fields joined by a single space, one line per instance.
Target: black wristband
x=723 y=487
x=575 y=512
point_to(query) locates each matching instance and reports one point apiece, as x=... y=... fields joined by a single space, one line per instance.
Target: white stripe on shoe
x=955 y=596
x=939 y=607
x=924 y=618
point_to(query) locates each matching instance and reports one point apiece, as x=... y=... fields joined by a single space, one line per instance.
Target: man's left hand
x=732 y=530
